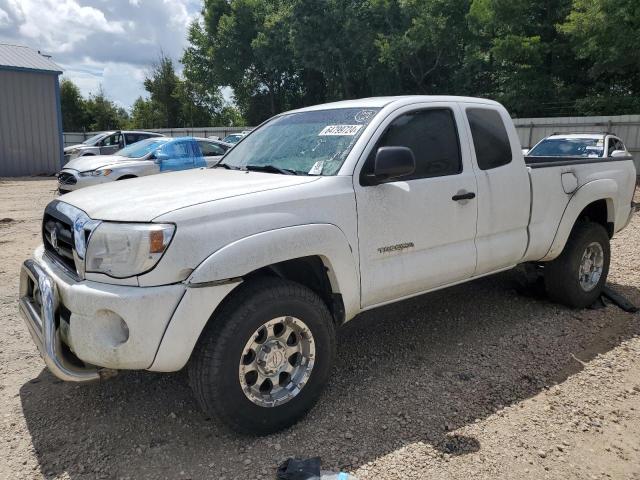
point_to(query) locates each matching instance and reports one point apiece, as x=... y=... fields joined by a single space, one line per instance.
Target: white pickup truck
x=243 y=272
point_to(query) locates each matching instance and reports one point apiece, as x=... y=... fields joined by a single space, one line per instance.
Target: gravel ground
x=476 y=381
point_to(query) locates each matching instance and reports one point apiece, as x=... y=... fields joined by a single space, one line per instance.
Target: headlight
x=96 y=173
x=126 y=249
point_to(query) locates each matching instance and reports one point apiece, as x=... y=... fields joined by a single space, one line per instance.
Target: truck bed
x=550 y=196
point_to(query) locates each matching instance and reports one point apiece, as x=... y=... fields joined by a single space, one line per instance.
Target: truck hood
x=91 y=162
x=145 y=198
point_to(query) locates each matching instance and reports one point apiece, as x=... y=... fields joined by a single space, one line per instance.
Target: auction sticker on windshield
x=340 y=130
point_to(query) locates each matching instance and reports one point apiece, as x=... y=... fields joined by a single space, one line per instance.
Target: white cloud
x=4 y=18
x=103 y=42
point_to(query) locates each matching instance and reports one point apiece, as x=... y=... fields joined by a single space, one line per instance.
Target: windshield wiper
x=224 y=165
x=271 y=169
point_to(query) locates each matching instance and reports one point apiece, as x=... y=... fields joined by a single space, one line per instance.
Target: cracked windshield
x=306 y=143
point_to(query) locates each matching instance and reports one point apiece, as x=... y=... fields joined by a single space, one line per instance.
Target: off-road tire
x=561 y=274
x=213 y=368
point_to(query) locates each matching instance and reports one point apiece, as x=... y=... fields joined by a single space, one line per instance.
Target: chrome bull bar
x=37 y=305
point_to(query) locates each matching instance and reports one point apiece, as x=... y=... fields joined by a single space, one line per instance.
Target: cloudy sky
x=108 y=42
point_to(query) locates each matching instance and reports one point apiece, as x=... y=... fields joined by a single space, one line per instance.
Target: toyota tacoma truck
x=242 y=273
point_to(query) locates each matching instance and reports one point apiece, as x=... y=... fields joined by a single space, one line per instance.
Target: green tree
x=103 y=114
x=245 y=44
x=162 y=84
x=74 y=114
x=144 y=114
x=604 y=37
x=530 y=55
x=334 y=43
x=522 y=59
x=423 y=43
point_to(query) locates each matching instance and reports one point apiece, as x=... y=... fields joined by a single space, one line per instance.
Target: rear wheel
x=576 y=278
x=265 y=357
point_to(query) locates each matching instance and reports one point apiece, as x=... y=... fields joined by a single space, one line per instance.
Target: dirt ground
x=477 y=381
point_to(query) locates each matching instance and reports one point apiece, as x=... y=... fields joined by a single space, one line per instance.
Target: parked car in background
x=244 y=271
x=235 y=137
x=146 y=157
x=594 y=145
x=106 y=143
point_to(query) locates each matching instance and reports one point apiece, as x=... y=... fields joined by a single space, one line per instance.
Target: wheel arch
x=317 y=256
x=595 y=202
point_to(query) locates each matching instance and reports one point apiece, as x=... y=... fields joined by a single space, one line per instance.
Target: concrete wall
x=30 y=128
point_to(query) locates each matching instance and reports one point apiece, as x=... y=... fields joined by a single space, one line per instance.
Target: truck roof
x=380 y=102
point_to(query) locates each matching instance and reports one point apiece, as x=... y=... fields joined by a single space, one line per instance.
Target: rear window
x=490 y=138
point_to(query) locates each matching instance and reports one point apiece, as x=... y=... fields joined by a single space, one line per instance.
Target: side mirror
x=620 y=154
x=525 y=151
x=160 y=156
x=392 y=163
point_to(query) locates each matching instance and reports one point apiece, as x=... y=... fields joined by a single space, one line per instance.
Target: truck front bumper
x=85 y=330
x=37 y=305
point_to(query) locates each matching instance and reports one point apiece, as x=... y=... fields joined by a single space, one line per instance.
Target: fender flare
x=251 y=253
x=602 y=189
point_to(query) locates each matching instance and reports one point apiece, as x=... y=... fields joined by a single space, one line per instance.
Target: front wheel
x=265 y=357
x=576 y=278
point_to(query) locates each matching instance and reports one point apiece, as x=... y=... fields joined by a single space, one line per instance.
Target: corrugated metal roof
x=17 y=56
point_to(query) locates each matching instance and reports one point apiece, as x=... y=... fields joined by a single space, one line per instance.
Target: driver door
x=414 y=234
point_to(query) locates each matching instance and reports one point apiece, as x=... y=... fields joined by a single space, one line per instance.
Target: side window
x=614 y=144
x=210 y=149
x=111 y=140
x=178 y=150
x=431 y=135
x=490 y=138
x=131 y=138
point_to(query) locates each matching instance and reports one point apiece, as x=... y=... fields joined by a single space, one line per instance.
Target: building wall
x=30 y=139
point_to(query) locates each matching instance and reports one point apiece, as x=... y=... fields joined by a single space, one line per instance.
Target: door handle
x=463 y=196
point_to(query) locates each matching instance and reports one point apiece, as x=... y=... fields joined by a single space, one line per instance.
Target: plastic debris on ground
x=308 y=469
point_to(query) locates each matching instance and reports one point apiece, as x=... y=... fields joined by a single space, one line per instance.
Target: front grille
x=65 y=178
x=57 y=234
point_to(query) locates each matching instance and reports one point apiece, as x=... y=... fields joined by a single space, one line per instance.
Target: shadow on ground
x=409 y=372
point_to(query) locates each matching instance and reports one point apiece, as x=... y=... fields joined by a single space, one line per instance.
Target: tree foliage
x=538 y=58
x=73 y=106
x=94 y=113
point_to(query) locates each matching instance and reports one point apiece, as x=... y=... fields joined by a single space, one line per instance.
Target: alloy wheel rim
x=277 y=361
x=591 y=266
